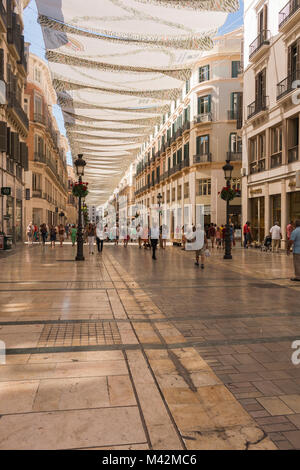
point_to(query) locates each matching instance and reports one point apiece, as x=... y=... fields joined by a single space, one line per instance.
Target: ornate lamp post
x=79 y=164
x=228 y=169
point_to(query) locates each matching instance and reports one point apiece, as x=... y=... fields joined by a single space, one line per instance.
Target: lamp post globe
x=79 y=164
x=228 y=169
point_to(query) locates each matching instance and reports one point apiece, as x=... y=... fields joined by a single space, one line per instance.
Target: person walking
x=212 y=234
x=73 y=234
x=218 y=238
x=276 y=235
x=67 y=231
x=154 y=237
x=61 y=233
x=99 y=237
x=164 y=235
x=245 y=232
x=35 y=233
x=52 y=235
x=43 y=230
x=294 y=241
x=91 y=232
x=197 y=241
x=139 y=234
x=30 y=233
x=289 y=229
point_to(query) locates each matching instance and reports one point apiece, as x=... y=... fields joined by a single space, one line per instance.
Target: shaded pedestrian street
x=123 y=352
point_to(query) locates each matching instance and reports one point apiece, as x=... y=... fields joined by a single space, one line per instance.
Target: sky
x=33 y=35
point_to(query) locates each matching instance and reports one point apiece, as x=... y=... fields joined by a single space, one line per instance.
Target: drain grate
x=79 y=334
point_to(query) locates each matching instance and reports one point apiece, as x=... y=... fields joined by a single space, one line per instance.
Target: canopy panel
x=116 y=66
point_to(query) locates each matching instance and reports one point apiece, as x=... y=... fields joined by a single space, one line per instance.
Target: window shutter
x=290 y=61
x=3 y=136
x=199 y=105
x=8 y=142
x=209 y=103
x=265 y=17
x=264 y=86
x=198 y=145
x=298 y=60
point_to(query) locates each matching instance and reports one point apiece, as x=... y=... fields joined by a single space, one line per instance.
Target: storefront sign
x=298 y=179
x=5 y=191
x=255 y=191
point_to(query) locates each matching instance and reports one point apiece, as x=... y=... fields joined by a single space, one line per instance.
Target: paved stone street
x=120 y=352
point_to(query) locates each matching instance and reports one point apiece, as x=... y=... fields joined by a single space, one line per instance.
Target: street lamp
x=228 y=169
x=79 y=164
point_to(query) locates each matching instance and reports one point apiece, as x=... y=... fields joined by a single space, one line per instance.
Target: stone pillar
x=192 y=191
x=284 y=214
x=267 y=210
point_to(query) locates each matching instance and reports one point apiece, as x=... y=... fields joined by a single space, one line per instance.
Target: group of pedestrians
x=51 y=232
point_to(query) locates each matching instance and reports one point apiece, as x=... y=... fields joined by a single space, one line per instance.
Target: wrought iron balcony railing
x=288 y=84
x=203 y=158
x=293 y=154
x=257 y=106
x=205 y=117
x=263 y=39
x=276 y=160
x=288 y=11
x=234 y=156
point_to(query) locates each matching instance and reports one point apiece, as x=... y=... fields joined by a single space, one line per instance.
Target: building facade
x=184 y=159
x=271 y=190
x=47 y=178
x=13 y=119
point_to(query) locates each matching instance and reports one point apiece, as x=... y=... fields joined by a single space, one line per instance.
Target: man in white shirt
x=99 y=236
x=275 y=232
x=154 y=237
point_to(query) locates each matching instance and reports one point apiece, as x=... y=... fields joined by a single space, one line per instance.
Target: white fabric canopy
x=116 y=66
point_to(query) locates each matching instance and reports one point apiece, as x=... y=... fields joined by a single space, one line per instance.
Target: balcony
x=14 y=37
x=40 y=157
x=259 y=45
x=22 y=63
x=257 y=106
x=289 y=15
x=16 y=108
x=293 y=154
x=276 y=160
x=178 y=133
x=186 y=126
x=234 y=156
x=232 y=115
x=205 y=117
x=37 y=117
x=286 y=86
x=257 y=167
x=37 y=193
x=3 y=18
x=204 y=158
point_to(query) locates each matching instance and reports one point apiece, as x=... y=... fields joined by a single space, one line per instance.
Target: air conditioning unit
x=244 y=171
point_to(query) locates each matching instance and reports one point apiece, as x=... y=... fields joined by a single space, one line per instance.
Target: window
x=26 y=106
x=186 y=114
x=179 y=193
x=260 y=90
x=202 y=145
x=187 y=86
x=173 y=194
x=204 y=104
x=186 y=190
x=235 y=68
x=186 y=151
x=235 y=143
x=174 y=159
x=38 y=105
x=36 y=181
x=37 y=75
x=276 y=140
x=203 y=187
x=204 y=73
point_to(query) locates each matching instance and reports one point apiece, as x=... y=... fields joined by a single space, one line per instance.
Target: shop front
x=294 y=205
x=257 y=219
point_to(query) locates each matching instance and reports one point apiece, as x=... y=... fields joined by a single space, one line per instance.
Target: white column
x=267 y=210
x=284 y=220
